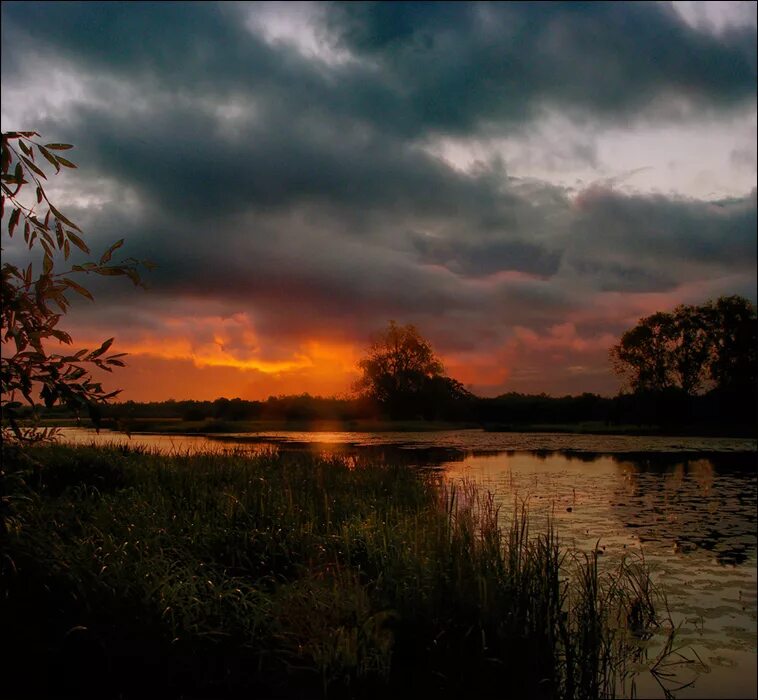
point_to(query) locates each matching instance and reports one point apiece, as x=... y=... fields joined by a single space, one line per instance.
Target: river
x=688 y=505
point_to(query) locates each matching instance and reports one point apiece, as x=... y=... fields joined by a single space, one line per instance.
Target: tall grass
x=126 y=572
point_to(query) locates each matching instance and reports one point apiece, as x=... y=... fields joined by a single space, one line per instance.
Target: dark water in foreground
x=688 y=505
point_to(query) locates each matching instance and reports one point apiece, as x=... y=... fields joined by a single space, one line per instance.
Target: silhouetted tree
x=644 y=354
x=691 y=346
x=402 y=374
x=733 y=329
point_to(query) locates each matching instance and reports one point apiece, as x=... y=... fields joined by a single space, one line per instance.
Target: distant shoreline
x=177 y=426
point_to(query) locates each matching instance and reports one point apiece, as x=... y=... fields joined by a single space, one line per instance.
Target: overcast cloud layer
x=521 y=181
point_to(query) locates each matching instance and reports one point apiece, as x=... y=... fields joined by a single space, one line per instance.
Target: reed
x=292 y=575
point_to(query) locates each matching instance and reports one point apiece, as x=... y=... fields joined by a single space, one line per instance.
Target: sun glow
x=313 y=355
x=208 y=357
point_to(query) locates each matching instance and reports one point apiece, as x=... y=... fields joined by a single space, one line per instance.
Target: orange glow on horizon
x=206 y=357
x=182 y=368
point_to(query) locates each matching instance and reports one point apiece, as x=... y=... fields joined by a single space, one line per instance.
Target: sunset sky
x=521 y=181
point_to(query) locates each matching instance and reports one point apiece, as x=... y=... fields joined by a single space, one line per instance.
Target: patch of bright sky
x=716 y=16
x=704 y=159
x=299 y=24
x=32 y=100
x=48 y=90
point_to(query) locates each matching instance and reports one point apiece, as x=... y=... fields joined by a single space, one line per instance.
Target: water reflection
x=693 y=517
x=703 y=503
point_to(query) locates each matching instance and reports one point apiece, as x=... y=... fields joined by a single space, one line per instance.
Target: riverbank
x=293 y=576
x=178 y=426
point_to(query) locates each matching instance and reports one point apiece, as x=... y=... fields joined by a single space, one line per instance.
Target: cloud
x=652 y=242
x=419 y=66
x=289 y=176
x=457 y=66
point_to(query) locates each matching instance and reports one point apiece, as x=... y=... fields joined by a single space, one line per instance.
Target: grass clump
x=125 y=571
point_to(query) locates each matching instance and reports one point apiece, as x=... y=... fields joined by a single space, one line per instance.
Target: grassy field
x=126 y=573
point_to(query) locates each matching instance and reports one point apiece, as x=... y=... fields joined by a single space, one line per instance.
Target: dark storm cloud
x=275 y=162
x=653 y=243
x=421 y=66
x=179 y=44
x=472 y=259
x=318 y=267
x=458 y=64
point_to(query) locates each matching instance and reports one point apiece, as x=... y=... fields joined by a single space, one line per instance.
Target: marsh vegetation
x=293 y=575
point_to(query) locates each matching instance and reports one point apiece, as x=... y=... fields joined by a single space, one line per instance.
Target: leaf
x=39 y=194
x=49 y=157
x=13 y=221
x=58 y=146
x=65 y=163
x=78 y=242
x=47 y=264
x=47 y=237
x=110 y=271
x=103 y=348
x=78 y=288
x=62 y=336
x=133 y=275
x=62 y=305
x=33 y=167
x=109 y=253
x=62 y=218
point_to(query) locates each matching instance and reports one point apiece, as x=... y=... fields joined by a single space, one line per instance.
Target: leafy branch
x=33 y=302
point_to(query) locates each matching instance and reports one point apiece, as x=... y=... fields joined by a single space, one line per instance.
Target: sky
x=521 y=181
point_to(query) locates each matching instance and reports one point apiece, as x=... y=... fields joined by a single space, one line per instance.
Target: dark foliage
x=714 y=345
x=36 y=297
x=405 y=379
